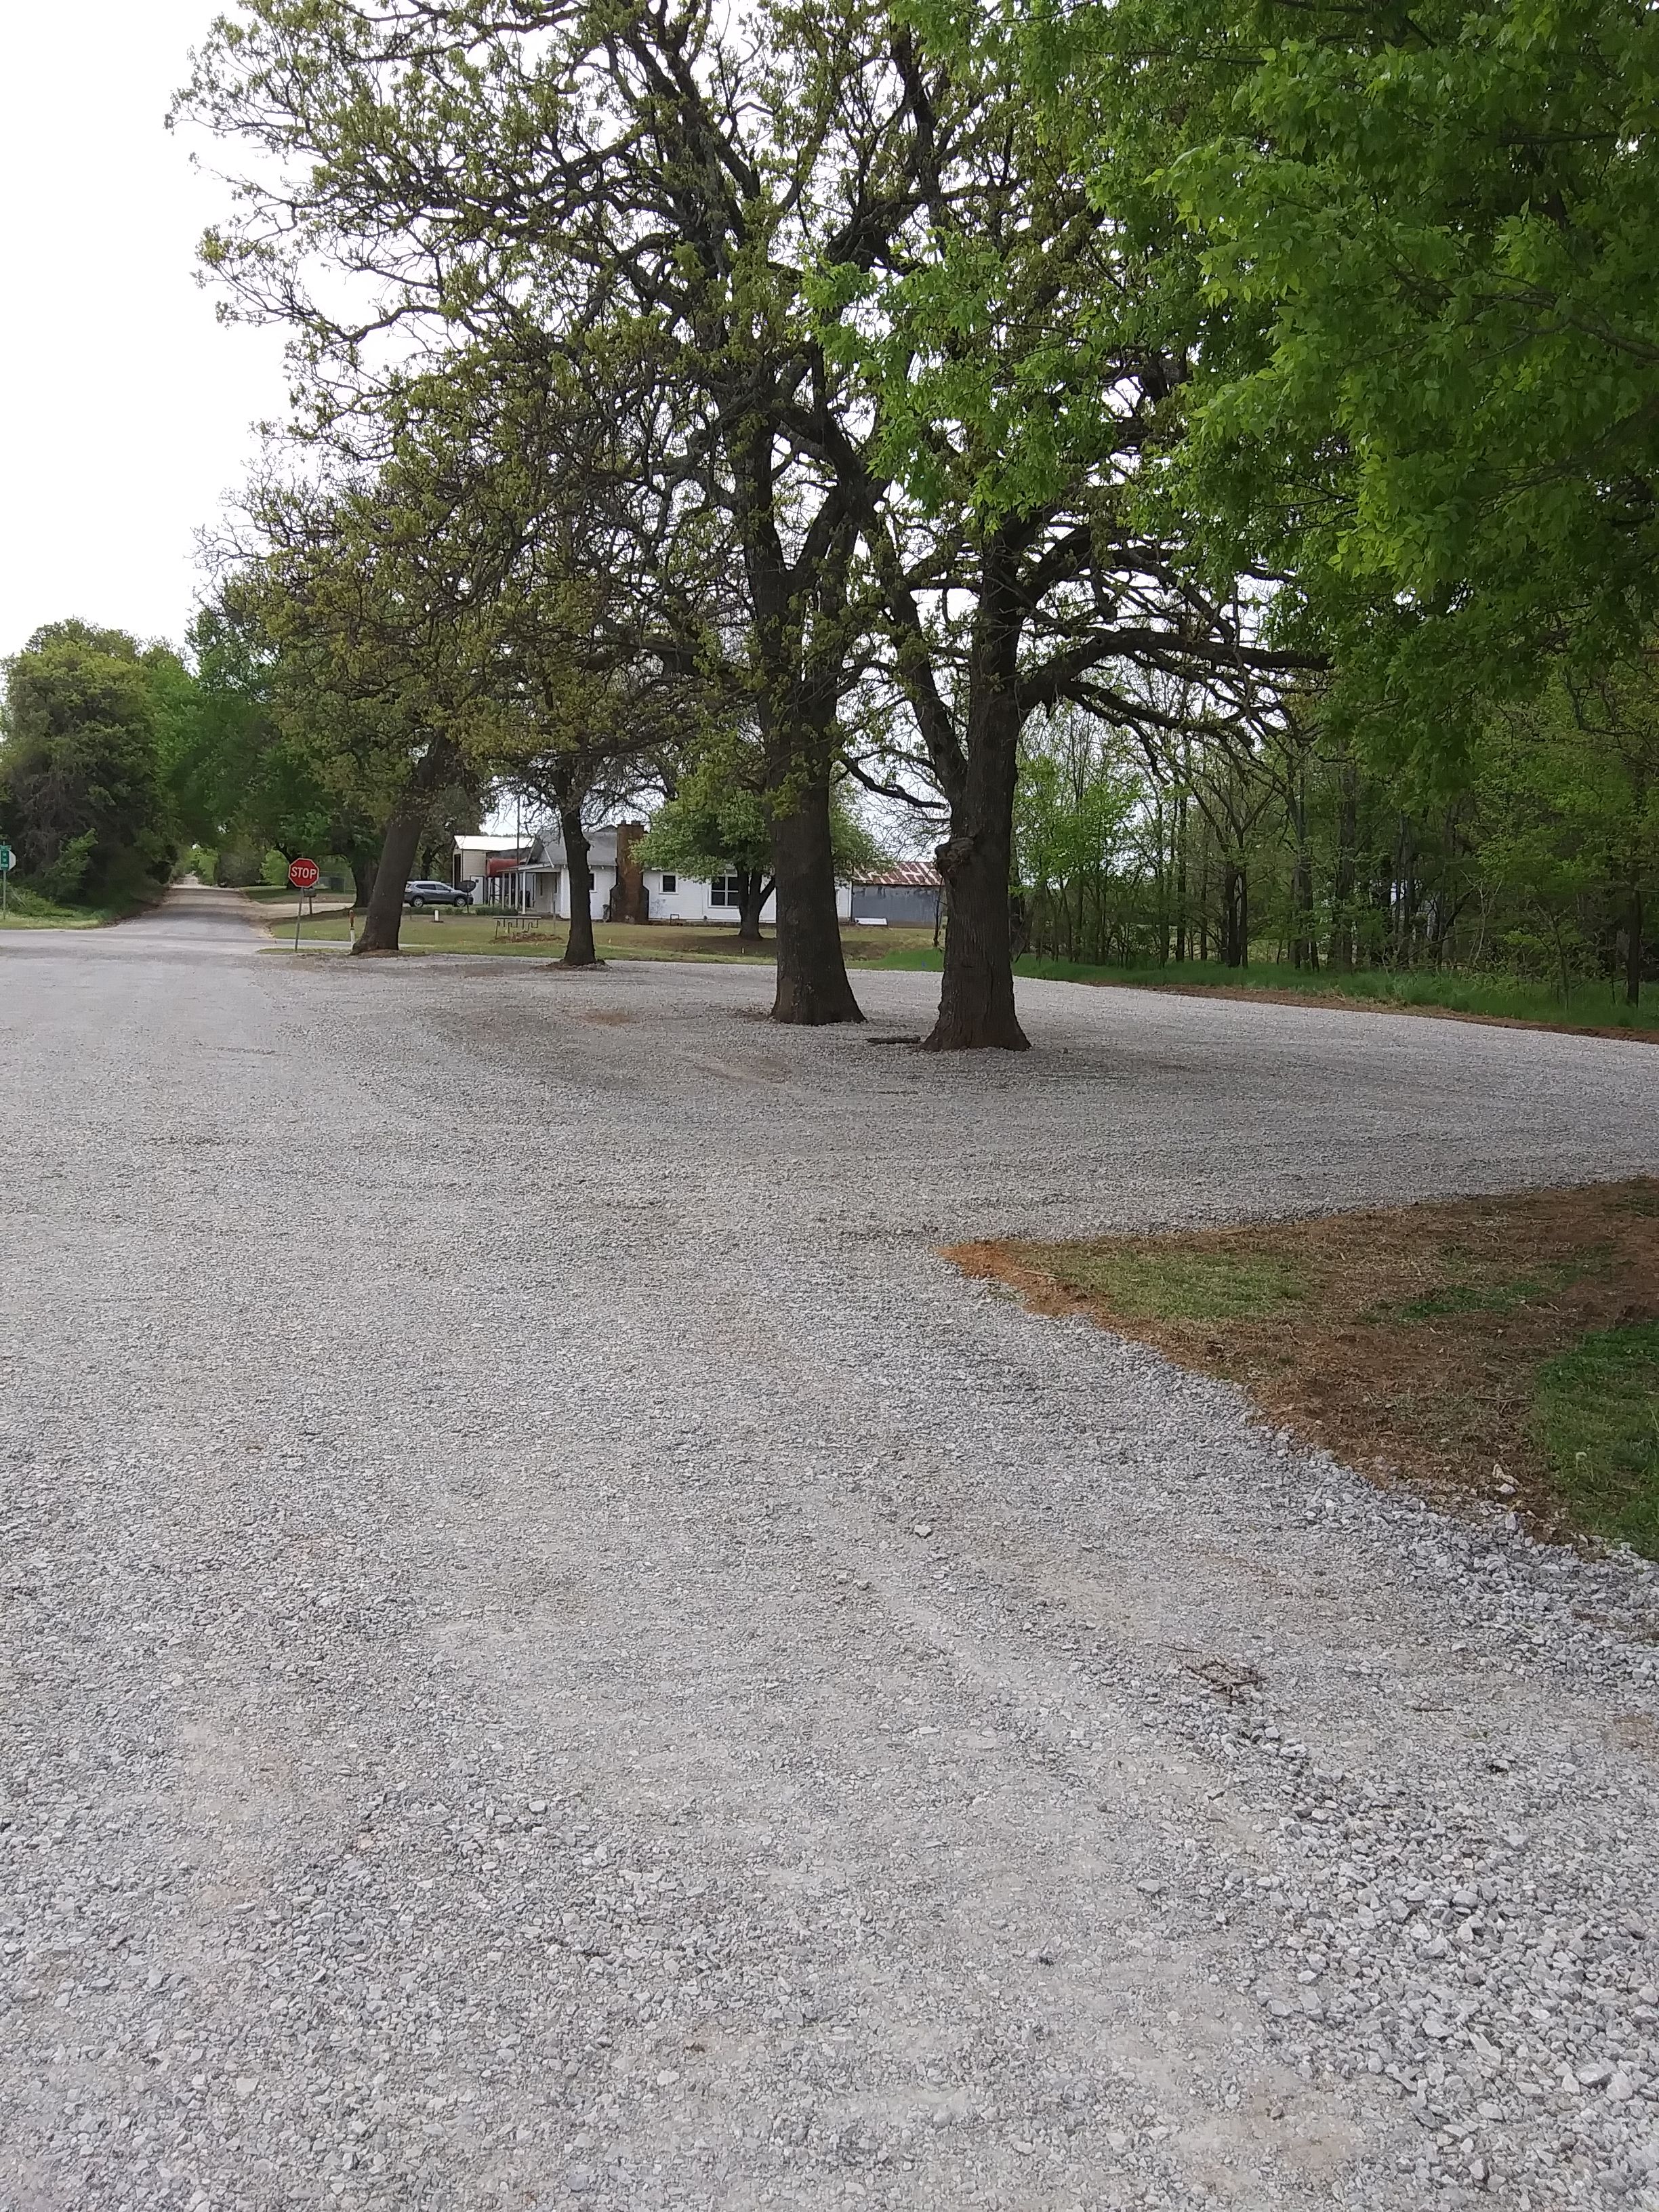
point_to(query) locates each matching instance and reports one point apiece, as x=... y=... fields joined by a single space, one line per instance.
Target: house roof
x=549 y=851
x=919 y=875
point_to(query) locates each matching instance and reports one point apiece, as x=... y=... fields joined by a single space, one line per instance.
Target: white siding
x=604 y=881
x=692 y=900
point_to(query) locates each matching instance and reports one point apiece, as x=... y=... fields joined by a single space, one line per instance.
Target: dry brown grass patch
x=1409 y=1342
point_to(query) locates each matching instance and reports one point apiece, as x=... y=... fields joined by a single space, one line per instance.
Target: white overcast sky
x=125 y=407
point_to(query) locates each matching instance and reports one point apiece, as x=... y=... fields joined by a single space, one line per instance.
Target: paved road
x=556 y=1654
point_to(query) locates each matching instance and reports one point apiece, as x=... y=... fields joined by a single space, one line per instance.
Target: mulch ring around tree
x=1503 y=1348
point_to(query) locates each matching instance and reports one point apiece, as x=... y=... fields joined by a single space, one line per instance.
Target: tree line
x=122 y=764
x=1255 y=397
x=1534 y=859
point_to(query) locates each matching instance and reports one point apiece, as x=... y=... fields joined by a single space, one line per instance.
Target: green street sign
x=8 y=860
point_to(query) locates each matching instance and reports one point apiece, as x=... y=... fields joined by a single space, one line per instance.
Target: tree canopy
x=1421 y=265
x=1269 y=385
x=83 y=793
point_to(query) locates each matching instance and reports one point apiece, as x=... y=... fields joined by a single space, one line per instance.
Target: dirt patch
x=679 y=943
x=1497 y=1348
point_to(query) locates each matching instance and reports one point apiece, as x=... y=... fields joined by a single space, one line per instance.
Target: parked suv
x=435 y=894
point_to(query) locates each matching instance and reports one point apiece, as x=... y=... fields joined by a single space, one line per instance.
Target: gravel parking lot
x=556 y=1656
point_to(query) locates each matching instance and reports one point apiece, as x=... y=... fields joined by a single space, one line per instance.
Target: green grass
x=453 y=932
x=1596 y=1414
x=1209 y=1286
x=1502 y=1298
x=29 y=910
x=1505 y=998
x=1467 y=1298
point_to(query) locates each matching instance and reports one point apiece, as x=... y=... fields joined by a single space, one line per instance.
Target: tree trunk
x=1633 y=948
x=1304 y=933
x=363 y=856
x=1304 y=937
x=1165 y=858
x=630 y=903
x=812 y=988
x=1243 y=923
x=1342 y=888
x=384 y=915
x=1184 y=929
x=976 y=1000
x=799 y=694
x=1235 y=914
x=1019 y=933
x=578 y=951
x=1404 y=896
x=753 y=890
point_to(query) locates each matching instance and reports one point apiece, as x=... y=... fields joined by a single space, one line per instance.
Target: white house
x=671 y=898
x=534 y=877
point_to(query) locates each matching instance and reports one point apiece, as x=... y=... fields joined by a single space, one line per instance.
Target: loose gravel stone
x=557 y=1655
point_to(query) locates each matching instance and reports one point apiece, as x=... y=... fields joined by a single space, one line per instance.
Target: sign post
x=303 y=875
x=7 y=862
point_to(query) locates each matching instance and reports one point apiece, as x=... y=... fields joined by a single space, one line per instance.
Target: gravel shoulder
x=556 y=1654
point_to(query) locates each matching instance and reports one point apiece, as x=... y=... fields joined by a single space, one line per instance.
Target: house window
x=670 y=883
x=724 y=891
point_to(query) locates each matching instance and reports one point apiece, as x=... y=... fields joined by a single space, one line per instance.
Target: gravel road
x=556 y=1656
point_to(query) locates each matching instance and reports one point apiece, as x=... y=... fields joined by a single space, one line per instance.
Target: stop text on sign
x=303 y=874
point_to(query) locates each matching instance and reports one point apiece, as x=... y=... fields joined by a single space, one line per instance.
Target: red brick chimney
x=630 y=876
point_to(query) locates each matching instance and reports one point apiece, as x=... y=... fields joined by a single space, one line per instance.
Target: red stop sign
x=303 y=874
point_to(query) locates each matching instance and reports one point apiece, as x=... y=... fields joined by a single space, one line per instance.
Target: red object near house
x=303 y=874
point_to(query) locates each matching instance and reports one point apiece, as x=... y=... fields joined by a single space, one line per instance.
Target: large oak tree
x=478 y=165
